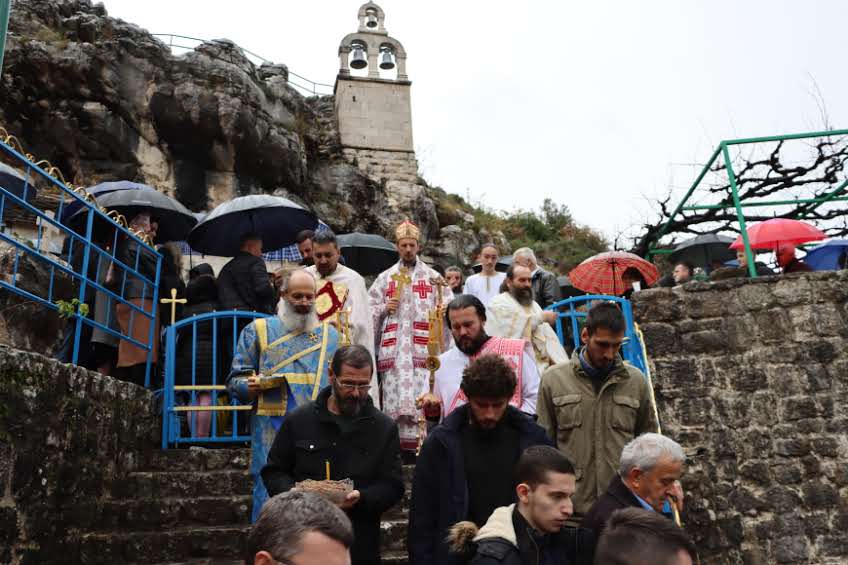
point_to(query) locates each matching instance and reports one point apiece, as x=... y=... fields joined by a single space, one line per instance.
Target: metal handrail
x=313 y=87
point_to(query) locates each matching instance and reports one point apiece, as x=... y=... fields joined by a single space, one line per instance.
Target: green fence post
x=5 y=10
x=731 y=176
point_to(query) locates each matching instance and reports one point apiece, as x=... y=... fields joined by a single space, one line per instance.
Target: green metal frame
x=723 y=152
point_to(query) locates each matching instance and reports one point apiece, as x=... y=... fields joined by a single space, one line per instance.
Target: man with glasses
x=299 y=528
x=342 y=431
x=280 y=364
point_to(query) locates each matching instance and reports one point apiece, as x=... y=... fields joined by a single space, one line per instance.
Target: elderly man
x=281 y=363
x=347 y=435
x=341 y=289
x=514 y=314
x=465 y=468
x=595 y=403
x=682 y=273
x=487 y=283
x=466 y=316
x=298 y=528
x=544 y=283
x=788 y=262
x=453 y=276
x=648 y=477
x=401 y=300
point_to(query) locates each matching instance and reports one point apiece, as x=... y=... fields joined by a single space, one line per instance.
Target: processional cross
x=173 y=301
x=402 y=279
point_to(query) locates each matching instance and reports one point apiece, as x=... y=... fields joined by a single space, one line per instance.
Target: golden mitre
x=407 y=230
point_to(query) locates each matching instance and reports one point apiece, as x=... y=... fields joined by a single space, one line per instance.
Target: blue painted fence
x=573 y=310
x=185 y=380
x=27 y=191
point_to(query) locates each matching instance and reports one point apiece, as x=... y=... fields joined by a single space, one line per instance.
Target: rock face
x=102 y=99
x=751 y=378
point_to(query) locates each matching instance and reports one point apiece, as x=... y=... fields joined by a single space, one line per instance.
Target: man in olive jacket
x=594 y=404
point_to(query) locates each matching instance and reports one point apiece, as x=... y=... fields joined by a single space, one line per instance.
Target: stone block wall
x=67 y=435
x=751 y=377
x=374 y=114
x=400 y=166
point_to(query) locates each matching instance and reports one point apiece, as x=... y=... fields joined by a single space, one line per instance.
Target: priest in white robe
x=342 y=298
x=466 y=317
x=515 y=314
x=401 y=300
x=486 y=284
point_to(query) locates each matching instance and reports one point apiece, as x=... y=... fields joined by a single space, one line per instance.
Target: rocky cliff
x=103 y=99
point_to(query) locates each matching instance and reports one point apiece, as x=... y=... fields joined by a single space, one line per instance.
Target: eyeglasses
x=351 y=387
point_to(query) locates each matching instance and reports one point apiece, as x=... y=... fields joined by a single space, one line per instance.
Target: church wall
x=67 y=437
x=751 y=377
x=374 y=114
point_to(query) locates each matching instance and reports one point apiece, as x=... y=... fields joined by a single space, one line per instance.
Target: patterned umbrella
x=601 y=274
x=771 y=233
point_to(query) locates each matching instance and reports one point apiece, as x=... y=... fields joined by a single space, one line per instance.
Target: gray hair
x=287 y=275
x=453 y=269
x=287 y=517
x=646 y=450
x=525 y=252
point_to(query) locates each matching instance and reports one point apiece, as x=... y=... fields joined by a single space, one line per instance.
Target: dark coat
x=369 y=454
x=545 y=288
x=617 y=496
x=202 y=296
x=127 y=251
x=796 y=266
x=243 y=284
x=439 y=490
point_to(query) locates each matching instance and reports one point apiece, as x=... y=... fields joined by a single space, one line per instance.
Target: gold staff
x=173 y=301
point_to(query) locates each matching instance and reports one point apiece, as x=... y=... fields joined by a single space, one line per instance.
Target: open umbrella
x=277 y=220
x=703 y=250
x=771 y=233
x=175 y=220
x=16 y=182
x=74 y=206
x=601 y=273
x=825 y=257
x=367 y=254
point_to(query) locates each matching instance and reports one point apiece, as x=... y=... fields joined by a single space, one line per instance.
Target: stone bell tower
x=372 y=99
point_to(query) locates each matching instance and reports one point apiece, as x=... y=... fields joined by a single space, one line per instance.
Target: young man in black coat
x=465 y=467
x=343 y=429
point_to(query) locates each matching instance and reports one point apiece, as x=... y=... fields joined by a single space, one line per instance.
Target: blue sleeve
x=245 y=362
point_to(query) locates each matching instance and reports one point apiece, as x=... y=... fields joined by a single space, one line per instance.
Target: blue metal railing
x=221 y=329
x=81 y=259
x=573 y=310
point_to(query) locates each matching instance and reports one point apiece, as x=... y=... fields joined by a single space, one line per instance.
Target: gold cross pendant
x=313 y=337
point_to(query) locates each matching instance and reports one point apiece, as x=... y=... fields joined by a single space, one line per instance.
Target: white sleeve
x=529 y=384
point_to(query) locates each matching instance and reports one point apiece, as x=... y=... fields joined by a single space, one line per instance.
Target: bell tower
x=372 y=100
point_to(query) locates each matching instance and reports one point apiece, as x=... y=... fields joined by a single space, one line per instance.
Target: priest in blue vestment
x=281 y=362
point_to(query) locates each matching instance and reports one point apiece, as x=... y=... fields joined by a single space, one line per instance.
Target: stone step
x=141 y=514
x=395 y=558
x=184 y=484
x=197 y=459
x=164 y=546
x=393 y=536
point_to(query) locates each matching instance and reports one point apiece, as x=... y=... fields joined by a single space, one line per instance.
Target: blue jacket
x=439 y=490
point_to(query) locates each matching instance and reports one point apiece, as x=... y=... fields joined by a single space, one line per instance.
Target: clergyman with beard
x=465 y=467
x=465 y=317
x=280 y=364
x=514 y=314
x=343 y=428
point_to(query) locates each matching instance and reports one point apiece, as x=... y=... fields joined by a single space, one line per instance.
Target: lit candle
x=328 y=470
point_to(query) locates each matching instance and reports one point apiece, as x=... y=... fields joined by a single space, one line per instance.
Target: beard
x=471 y=345
x=298 y=317
x=523 y=296
x=350 y=407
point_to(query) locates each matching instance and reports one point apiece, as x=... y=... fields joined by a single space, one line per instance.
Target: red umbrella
x=771 y=233
x=601 y=273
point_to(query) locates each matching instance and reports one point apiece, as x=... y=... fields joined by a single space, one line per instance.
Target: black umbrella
x=175 y=220
x=501 y=266
x=14 y=181
x=74 y=206
x=566 y=289
x=277 y=220
x=703 y=250
x=366 y=253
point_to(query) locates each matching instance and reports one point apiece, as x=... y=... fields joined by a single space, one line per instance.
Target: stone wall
x=751 y=377
x=374 y=114
x=67 y=436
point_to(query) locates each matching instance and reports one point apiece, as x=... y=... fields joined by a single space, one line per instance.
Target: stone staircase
x=192 y=507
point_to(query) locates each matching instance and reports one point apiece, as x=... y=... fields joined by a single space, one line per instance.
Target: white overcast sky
x=596 y=104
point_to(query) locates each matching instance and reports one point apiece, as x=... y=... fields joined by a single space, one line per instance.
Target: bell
x=372 y=20
x=359 y=61
x=387 y=64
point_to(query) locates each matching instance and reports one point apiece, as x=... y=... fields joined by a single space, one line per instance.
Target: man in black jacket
x=465 y=467
x=342 y=429
x=243 y=283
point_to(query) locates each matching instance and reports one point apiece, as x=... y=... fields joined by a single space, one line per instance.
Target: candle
x=328 y=470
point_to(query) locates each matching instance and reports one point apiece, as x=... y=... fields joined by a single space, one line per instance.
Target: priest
x=281 y=362
x=401 y=300
x=342 y=298
x=514 y=314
